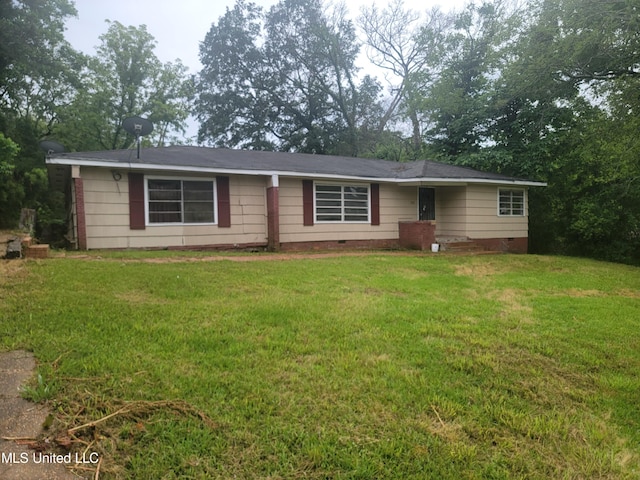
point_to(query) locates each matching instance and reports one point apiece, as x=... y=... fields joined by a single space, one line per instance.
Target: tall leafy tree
x=596 y=189
x=407 y=46
x=458 y=101
x=585 y=40
x=569 y=52
x=37 y=76
x=563 y=109
x=314 y=52
x=124 y=79
x=11 y=193
x=234 y=87
x=37 y=65
x=284 y=79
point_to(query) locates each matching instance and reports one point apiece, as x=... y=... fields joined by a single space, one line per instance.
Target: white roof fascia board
x=449 y=181
x=228 y=171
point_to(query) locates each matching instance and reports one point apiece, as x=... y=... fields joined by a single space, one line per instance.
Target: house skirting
x=510 y=245
x=340 y=244
x=507 y=245
x=289 y=247
x=219 y=247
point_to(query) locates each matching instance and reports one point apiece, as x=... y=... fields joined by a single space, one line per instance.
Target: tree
x=234 y=100
x=588 y=40
x=459 y=101
x=37 y=65
x=597 y=189
x=11 y=194
x=563 y=109
x=126 y=79
x=407 y=47
x=38 y=74
x=284 y=80
x=314 y=51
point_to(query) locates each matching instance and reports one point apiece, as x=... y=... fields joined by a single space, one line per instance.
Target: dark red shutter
x=224 y=202
x=307 y=202
x=136 y=201
x=375 y=204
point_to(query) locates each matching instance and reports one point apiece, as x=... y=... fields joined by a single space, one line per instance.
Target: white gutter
x=270 y=173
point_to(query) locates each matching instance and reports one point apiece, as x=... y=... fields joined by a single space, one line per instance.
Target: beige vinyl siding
x=107 y=215
x=451 y=211
x=396 y=204
x=472 y=211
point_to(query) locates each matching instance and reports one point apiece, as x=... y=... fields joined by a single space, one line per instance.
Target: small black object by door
x=426 y=203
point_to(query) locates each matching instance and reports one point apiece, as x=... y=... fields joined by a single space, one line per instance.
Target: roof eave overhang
x=451 y=181
x=417 y=181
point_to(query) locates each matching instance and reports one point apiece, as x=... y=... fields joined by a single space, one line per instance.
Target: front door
x=426 y=203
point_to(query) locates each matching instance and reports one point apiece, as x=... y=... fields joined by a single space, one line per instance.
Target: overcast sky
x=179 y=25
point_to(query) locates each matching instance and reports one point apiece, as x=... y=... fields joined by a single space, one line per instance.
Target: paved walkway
x=22 y=419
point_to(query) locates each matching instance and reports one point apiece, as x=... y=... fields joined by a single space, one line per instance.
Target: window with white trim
x=341 y=203
x=180 y=201
x=511 y=203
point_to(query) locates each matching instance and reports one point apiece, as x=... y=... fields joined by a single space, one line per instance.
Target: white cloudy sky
x=179 y=25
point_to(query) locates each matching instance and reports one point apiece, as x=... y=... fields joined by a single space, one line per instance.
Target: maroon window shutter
x=224 y=202
x=136 y=201
x=375 y=204
x=307 y=202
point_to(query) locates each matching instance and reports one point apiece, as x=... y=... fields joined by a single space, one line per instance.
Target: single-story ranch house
x=197 y=197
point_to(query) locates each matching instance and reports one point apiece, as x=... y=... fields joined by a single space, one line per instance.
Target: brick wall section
x=417 y=235
x=80 y=214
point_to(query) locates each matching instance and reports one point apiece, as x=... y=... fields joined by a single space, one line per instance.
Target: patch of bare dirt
x=629 y=293
x=248 y=258
x=578 y=293
x=512 y=303
x=476 y=271
x=10 y=269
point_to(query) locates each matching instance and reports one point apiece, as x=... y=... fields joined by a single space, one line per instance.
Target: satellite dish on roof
x=51 y=147
x=138 y=127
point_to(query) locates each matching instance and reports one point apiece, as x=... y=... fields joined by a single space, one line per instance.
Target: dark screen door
x=427 y=203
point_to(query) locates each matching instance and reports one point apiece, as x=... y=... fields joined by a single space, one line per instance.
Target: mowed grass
x=378 y=366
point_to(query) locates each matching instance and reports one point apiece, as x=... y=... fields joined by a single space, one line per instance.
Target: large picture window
x=511 y=203
x=180 y=201
x=341 y=203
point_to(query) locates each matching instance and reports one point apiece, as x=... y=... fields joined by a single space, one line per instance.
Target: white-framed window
x=341 y=203
x=511 y=203
x=180 y=200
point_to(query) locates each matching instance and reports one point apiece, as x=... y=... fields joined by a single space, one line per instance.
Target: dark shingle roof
x=212 y=159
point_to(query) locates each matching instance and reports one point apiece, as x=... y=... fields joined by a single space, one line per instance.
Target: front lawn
x=378 y=366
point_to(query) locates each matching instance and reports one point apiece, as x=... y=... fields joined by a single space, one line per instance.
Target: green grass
x=386 y=367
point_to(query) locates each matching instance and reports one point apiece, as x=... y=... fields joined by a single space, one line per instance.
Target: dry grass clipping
x=74 y=432
x=141 y=408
